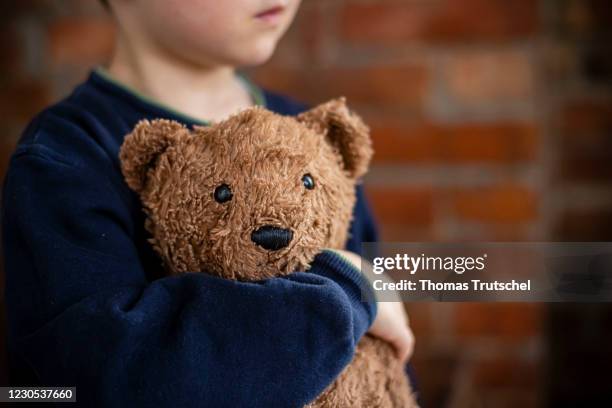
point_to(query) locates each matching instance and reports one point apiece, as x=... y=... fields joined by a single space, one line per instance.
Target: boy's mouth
x=270 y=15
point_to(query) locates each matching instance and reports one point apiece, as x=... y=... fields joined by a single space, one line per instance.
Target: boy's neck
x=207 y=93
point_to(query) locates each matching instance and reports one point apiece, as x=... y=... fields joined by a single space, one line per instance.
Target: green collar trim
x=257 y=95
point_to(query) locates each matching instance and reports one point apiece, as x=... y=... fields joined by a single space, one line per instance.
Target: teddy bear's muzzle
x=272 y=238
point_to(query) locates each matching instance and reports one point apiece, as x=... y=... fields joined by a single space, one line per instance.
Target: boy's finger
x=402 y=345
x=406 y=346
x=410 y=347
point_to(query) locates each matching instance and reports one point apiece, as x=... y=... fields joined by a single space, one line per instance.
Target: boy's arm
x=82 y=313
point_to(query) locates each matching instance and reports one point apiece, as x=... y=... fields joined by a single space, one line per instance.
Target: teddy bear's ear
x=345 y=131
x=144 y=145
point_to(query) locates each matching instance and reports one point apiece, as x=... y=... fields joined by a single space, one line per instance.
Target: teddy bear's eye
x=308 y=181
x=223 y=193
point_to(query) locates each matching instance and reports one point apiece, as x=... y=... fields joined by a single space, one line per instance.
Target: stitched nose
x=272 y=238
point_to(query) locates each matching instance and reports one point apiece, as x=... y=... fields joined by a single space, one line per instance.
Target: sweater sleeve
x=82 y=312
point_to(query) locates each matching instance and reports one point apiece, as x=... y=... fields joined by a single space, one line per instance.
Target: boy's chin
x=255 y=55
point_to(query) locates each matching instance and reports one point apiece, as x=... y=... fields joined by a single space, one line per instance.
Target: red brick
x=396 y=143
x=499 y=143
x=584 y=225
x=435 y=372
x=585 y=146
x=445 y=21
x=310 y=27
x=402 y=206
x=506 y=372
x=510 y=397
x=419 y=315
x=586 y=166
x=80 y=41
x=490 y=77
x=26 y=7
x=304 y=39
x=393 y=232
x=502 y=143
x=602 y=15
x=394 y=86
x=12 y=51
x=22 y=99
x=580 y=118
x=512 y=321
x=495 y=204
x=478 y=232
x=383 y=22
x=586 y=18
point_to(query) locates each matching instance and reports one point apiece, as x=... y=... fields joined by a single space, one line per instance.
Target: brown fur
x=262 y=156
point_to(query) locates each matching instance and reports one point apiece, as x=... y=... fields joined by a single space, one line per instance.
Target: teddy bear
x=257 y=196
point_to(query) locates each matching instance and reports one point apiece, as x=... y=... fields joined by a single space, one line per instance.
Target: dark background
x=492 y=121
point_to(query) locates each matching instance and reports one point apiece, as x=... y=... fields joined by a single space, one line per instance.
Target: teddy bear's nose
x=272 y=238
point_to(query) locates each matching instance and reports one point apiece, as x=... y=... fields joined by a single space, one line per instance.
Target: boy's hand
x=391 y=323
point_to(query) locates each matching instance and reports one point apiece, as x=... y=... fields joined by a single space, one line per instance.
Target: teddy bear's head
x=251 y=197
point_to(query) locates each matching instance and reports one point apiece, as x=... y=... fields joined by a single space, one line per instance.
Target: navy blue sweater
x=89 y=306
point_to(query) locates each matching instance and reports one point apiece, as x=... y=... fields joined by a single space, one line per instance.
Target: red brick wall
x=490 y=118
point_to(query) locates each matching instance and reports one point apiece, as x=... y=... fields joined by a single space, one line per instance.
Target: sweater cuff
x=334 y=266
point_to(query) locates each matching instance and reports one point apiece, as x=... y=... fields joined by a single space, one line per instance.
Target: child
x=87 y=303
